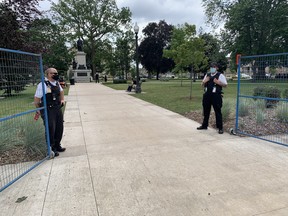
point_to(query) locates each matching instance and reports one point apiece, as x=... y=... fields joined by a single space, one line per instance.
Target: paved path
x=127 y=157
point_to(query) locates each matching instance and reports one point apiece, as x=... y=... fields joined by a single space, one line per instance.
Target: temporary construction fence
x=22 y=139
x=262 y=98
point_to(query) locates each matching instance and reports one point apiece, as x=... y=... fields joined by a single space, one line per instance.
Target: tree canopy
x=21 y=28
x=213 y=52
x=252 y=27
x=15 y=16
x=47 y=38
x=11 y=37
x=124 y=53
x=187 y=50
x=156 y=38
x=90 y=20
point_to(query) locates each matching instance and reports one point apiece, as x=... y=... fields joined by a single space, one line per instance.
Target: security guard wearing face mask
x=213 y=83
x=55 y=100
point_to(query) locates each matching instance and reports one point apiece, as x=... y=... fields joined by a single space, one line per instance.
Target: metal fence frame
x=13 y=175
x=240 y=96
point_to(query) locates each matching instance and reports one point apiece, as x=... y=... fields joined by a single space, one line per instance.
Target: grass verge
x=175 y=94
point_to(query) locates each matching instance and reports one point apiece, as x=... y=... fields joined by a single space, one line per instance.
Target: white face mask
x=212 y=70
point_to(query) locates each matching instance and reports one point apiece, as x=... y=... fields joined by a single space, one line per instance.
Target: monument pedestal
x=81 y=73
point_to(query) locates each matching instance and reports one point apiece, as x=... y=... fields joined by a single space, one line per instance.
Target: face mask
x=212 y=70
x=55 y=77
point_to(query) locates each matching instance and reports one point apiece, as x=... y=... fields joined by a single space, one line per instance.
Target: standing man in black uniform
x=55 y=100
x=213 y=83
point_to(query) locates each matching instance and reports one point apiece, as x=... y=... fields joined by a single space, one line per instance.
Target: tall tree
x=187 y=50
x=9 y=29
x=25 y=10
x=90 y=20
x=252 y=27
x=213 y=52
x=124 y=52
x=156 y=38
x=47 y=38
x=15 y=16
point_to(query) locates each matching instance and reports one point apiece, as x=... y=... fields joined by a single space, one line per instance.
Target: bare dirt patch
x=247 y=124
x=19 y=155
x=198 y=117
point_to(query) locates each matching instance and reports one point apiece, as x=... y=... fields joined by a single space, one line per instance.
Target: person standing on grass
x=55 y=100
x=97 y=78
x=213 y=82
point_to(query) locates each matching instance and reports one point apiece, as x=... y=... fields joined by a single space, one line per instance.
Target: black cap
x=214 y=64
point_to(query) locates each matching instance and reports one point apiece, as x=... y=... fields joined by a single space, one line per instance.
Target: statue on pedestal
x=80 y=45
x=80 y=71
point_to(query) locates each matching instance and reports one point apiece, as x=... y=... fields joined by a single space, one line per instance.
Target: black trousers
x=55 y=124
x=129 y=88
x=215 y=100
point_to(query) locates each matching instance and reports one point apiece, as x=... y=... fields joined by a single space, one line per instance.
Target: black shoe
x=60 y=149
x=56 y=153
x=220 y=131
x=201 y=128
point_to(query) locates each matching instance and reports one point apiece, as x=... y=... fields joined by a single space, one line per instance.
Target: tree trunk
x=93 y=63
x=157 y=75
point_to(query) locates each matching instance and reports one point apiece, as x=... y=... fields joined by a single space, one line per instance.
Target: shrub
x=23 y=134
x=260 y=116
x=285 y=93
x=8 y=141
x=119 y=81
x=282 y=112
x=269 y=92
x=34 y=139
x=226 y=110
x=243 y=109
x=260 y=104
x=259 y=91
x=272 y=92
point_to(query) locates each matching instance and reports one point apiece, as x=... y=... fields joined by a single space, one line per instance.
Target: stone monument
x=80 y=71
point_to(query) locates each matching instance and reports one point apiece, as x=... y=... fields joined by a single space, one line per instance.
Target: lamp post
x=138 y=87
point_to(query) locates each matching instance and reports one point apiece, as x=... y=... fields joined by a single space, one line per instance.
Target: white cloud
x=45 y=5
x=172 y=11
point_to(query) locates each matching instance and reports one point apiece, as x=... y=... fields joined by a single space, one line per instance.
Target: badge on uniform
x=49 y=90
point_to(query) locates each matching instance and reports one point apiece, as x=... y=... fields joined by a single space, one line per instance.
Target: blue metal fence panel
x=23 y=140
x=262 y=97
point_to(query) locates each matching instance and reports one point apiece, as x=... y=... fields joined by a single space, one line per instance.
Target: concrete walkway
x=127 y=157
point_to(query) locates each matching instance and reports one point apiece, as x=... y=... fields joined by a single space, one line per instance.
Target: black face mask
x=55 y=77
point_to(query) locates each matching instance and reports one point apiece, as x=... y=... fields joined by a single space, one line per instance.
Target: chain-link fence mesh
x=262 y=102
x=22 y=138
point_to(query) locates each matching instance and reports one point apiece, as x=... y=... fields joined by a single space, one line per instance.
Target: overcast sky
x=172 y=11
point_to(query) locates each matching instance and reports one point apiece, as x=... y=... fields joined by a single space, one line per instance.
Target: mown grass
x=17 y=103
x=21 y=102
x=23 y=130
x=174 y=95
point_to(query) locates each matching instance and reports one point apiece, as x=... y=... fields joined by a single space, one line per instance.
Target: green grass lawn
x=175 y=96
x=21 y=102
x=22 y=132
